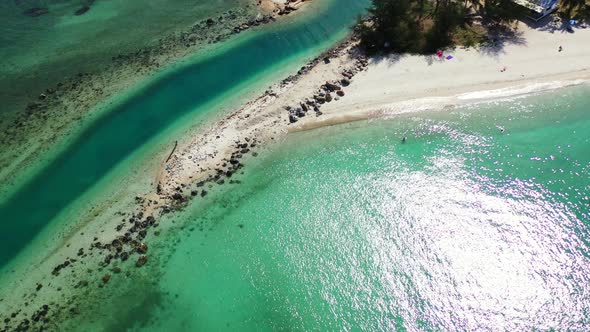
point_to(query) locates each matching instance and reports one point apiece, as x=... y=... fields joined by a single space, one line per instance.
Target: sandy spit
x=526 y=63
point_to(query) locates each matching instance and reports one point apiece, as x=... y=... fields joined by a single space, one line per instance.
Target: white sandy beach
x=532 y=62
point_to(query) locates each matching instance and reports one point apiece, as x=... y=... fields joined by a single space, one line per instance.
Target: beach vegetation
x=425 y=26
x=575 y=9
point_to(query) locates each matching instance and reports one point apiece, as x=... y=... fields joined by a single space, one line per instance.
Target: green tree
x=394 y=27
x=501 y=11
x=575 y=9
x=422 y=26
x=447 y=17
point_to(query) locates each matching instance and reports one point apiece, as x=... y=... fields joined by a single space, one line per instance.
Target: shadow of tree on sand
x=551 y=24
x=431 y=59
x=390 y=59
x=498 y=38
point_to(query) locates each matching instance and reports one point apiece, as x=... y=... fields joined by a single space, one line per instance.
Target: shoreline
x=210 y=157
x=369 y=91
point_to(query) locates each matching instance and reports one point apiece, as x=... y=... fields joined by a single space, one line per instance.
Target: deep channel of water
x=126 y=128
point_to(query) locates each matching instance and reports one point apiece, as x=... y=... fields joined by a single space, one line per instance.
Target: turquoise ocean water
x=38 y=52
x=200 y=87
x=463 y=227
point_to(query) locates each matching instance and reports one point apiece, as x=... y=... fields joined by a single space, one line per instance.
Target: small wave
x=517 y=91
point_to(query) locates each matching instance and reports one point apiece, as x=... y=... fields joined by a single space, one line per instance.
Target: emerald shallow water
x=38 y=52
x=124 y=130
x=463 y=227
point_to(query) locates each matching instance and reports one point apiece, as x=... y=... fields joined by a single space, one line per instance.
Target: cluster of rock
x=210 y=31
x=324 y=95
x=328 y=92
x=38 y=114
x=253 y=23
x=50 y=97
x=134 y=229
x=121 y=248
x=41 y=315
x=290 y=6
x=221 y=174
x=229 y=23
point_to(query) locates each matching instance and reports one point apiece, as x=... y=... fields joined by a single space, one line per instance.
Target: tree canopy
x=422 y=26
x=575 y=9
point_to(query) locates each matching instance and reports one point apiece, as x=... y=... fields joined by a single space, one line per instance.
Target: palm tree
x=573 y=8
